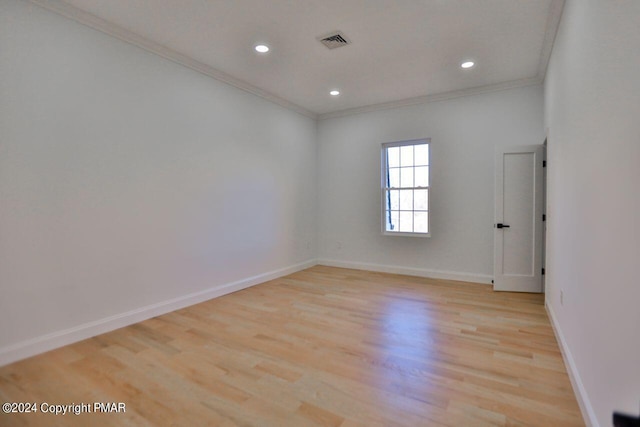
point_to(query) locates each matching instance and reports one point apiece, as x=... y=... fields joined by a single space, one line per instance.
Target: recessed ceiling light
x=467 y=64
x=262 y=48
x=334 y=92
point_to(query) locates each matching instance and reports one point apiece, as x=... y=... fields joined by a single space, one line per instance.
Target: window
x=405 y=188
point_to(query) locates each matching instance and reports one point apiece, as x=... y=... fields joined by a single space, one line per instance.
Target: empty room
x=319 y=213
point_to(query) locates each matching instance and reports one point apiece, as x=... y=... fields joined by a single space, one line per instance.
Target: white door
x=518 y=219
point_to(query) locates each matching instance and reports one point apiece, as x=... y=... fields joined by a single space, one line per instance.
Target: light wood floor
x=325 y=346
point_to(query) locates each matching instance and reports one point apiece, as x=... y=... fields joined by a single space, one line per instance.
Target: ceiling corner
x=553 y=22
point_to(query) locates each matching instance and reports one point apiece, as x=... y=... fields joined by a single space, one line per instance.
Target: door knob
x=500 y=225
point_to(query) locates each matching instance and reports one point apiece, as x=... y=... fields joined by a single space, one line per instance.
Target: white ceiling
x=401 y=49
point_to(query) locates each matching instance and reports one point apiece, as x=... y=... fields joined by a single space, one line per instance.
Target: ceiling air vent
x=334 y=40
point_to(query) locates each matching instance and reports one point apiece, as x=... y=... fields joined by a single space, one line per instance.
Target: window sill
x=405 y=234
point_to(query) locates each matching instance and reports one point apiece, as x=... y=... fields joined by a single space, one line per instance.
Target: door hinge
x=544 y=163
x=544 y=217
x=543 y=271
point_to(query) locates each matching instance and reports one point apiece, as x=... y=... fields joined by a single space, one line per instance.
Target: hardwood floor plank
x=322 y=347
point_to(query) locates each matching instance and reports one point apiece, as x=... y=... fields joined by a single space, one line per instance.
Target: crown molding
x=125 y=35
x=434 y=98
x=553 y=22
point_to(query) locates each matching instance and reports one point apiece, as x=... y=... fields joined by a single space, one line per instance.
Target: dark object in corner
x=623 y=420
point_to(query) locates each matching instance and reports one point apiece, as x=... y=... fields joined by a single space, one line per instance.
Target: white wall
x=592 y=111
x=127 y=180
x=463 y=132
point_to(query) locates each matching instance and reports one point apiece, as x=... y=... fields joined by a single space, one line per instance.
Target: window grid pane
x=421 y=200
x=422 y=176
x=407 y=177
x=393 y=178
x=421 y=154
x=406 y=222
x=406 y=155
x=393 y=156
x=421 y=222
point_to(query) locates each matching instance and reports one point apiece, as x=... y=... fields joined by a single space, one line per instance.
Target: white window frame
x=384 y=188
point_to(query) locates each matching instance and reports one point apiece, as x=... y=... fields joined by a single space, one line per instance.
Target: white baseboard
x=432 y=274
x=33 y=346
x=588 y=414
